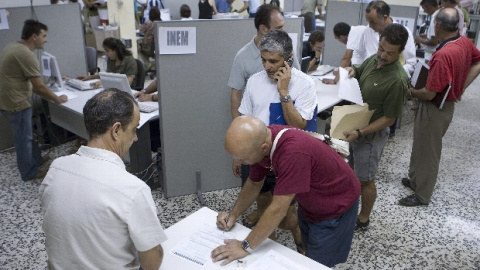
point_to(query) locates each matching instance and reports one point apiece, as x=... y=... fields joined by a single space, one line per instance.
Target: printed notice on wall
x=177 y=40
x=407 y=22
x=3 y=20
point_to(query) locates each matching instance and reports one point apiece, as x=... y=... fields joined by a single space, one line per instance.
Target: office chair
x=140 y=75
x=309 y=22
x=92 y=55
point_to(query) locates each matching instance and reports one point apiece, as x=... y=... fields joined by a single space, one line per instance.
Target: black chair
x=309 y=22
x=140 y=75
x=92 y=55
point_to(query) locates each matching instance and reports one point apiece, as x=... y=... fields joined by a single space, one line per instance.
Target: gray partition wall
x=65 y=34
x=194 y=104
x=352 y=13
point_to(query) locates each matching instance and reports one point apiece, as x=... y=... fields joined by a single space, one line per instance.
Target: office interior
x=442 y=235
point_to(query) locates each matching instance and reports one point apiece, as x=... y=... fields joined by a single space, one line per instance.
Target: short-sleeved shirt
x=310 y=6
x=247 y=62
x=382 y=88
x=429 y=50
x=262 y=100
x=96 y=215
x=222 y=6
x=253 y=6
x=128 y=66
x=18 y=64
x=369 y=47
x=355 y=36
x=324 y=185
x=450 y=64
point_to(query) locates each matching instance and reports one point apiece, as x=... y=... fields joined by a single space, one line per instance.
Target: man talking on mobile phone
x=283 y=95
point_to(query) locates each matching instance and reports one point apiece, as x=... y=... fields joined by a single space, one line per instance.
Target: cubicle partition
x=65 y=35
x=194 y=104
x=353 y=13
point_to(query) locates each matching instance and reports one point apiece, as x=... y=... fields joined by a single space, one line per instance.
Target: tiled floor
x=443 y=235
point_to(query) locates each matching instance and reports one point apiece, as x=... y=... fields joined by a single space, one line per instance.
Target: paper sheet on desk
x=349 y=88
x=273 y=261
x=198 y=246
x=69 y=94
x=322 y=70
x=349 y=117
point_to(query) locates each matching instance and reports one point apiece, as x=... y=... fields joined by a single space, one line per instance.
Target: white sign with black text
x=177 y=40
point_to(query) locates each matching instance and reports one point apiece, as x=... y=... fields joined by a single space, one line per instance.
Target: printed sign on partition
x=407 y=22
x=3 y=20
x=177 y=40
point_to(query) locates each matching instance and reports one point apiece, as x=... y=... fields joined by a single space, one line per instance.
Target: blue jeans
x=328 y=242
x=29 y=156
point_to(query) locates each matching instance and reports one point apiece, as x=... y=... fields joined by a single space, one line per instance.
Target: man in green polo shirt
x=383 y=83
x=19 y=75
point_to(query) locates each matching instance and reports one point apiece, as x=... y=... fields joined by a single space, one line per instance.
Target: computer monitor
x=115 y=80
x=51 y=72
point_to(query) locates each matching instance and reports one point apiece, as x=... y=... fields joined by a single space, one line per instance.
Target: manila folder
x=349 y=117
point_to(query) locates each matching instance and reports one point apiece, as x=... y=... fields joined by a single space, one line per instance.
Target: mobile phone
x=290 y=61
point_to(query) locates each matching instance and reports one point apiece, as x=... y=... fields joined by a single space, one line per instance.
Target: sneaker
x=362 y=226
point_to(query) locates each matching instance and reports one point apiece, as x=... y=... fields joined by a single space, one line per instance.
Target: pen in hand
x=228 y=217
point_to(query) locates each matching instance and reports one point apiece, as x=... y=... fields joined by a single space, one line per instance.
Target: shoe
x=251 y=220
x=45 y=159
x=411 y=200
x=362 y=226
x=40 y=174
x=406 y=183
x=301 y=249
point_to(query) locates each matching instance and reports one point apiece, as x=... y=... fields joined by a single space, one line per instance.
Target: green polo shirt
x=18 y=64
x=382 y=88
x=128 y=66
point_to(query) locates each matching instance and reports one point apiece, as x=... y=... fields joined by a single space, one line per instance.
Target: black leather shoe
x=411 y=200
x=362 y=226
x=406 y=183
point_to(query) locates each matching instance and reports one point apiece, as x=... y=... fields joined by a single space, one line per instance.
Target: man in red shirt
x=457 y=63
x=307 y=170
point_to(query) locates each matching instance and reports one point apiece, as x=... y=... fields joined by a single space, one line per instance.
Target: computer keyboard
x=79 y=84
x=146 y=108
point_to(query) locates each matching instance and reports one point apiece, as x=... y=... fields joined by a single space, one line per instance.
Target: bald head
x=247 y=139
x=447 y=19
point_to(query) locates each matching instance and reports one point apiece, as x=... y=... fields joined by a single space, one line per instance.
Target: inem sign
x=177 y=40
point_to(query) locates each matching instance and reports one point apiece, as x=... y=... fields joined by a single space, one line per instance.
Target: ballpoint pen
x=228 y=217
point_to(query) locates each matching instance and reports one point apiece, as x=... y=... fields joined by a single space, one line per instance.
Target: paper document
x=198 y=246
x=70 y=95
x=4 y=20
x=349 y=117
x=274 y=261
x=349 y=88
x=322 y=70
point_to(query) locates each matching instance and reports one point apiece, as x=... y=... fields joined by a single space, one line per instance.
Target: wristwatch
x=286 y=98
x=359 y=133
x=246 y=246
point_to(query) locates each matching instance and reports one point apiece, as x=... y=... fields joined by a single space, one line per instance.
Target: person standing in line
x=455 y=64
x=20 y=76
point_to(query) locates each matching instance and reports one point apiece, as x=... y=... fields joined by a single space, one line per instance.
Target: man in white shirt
x=96 y=214
x=429 y=39
x=377 y=14
x=350 y=36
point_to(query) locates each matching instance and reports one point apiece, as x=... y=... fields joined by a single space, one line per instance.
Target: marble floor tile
x=443 y=235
